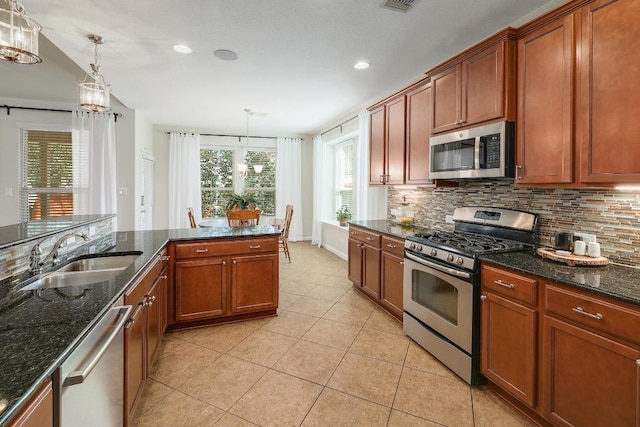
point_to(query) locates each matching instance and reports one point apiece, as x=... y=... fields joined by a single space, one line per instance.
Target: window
x=344 y=175
x=219 y=178
x=46 y=174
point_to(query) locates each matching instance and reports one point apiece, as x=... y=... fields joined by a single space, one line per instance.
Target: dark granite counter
x=612 y=280
x=39 y=329
x=389 y=227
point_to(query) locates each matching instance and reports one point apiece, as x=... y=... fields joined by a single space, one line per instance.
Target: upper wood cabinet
x=476 y=86
x=418 y=131
x=609 y=66
x=545 y=104
x=387 y=142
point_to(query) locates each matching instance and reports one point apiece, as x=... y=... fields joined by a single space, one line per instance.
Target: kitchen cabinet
x=224 y=278
x=391 y=274
x=368 y=244
x=508 y=343
x=591 y=377
x=38 y=411
x=387 y=143
x=143 y=332
x=418 y=132
x=607 y=118
x=477 y=86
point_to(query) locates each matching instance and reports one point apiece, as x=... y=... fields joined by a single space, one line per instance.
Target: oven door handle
x=438 y=267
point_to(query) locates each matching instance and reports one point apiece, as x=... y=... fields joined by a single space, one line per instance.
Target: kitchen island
x=39 y=329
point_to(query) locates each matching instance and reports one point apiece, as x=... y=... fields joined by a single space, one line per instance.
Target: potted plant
x=343 y=215
x=237 y=201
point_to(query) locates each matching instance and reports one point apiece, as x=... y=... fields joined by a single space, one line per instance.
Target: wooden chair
x=284 y=236
x=192 y=219
x=243 y=217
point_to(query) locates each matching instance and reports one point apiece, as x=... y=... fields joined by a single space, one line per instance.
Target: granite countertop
x=39 y=329
x=616 y=281
x=389 y=227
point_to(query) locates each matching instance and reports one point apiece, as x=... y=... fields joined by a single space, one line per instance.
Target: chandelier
x=243 y=168
x=18 y=35
x=94 y=91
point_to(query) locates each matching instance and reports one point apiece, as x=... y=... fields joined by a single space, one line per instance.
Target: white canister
x=579 y=247
x=593 y=250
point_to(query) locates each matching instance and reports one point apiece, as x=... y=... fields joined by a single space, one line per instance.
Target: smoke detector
x=398 y=5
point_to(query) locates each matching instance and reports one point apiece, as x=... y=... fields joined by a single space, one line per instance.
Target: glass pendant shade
x=258 y=168
x=242 y=168
x=95 y=93
x=18 y=36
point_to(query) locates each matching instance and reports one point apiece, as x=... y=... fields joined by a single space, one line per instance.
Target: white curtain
x=184 y=178
x=316 y=232
x=288 y=183
x=94 y=163
x=369 y=202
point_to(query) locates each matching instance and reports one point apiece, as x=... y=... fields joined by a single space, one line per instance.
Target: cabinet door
x=545 y=128
x=394 y=152
x=201 y=288
x=377 y=134
x=38 y=412
x=589 y=380
x=154 y=320
x=254 y=283
x=483 y=86
x=371 y=271
x=446 y=102
x=391 y=276
x=508 y=346
x=608 y=85
x=418 y=134
x=355 y=262
x=135 y=362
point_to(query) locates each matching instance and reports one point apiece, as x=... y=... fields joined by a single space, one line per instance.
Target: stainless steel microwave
x=486 y=151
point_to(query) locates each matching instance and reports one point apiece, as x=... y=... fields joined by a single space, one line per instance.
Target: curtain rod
x=232 y=136
x=9 y=107
x=339 y=126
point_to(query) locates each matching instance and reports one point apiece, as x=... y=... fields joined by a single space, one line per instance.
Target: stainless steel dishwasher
x=90 y=383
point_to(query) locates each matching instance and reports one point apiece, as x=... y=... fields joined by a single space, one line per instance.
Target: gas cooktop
x=467 y=243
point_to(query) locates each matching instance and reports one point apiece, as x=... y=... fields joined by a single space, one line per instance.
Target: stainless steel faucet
x=35 y=265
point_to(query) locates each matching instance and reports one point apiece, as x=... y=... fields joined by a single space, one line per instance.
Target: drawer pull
x=580 y=310
x=483 y=297
x=254 y=247
x=391 y=245
x=370 y=238
x=165 y=258
x=638 y=363
x=164 y=277
x=202 y=251
x=504 y=285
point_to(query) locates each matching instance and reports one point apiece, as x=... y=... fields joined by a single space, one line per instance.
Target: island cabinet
x=224 y=279
x=376 y=267
x=476 y=86
x=144 y=330
x=38 y=411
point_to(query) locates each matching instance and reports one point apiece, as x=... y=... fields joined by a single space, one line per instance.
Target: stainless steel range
x=442 y=282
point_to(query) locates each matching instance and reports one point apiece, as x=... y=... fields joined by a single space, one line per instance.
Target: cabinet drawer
x=369 y=237
x=225 y=247
x=594 y=312
x=138 y=291
x=510 y=284
x=394 y=246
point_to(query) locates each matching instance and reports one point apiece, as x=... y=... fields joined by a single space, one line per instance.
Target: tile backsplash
x=612 y=215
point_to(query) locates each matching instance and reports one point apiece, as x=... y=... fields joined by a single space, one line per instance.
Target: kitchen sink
x=83 y=272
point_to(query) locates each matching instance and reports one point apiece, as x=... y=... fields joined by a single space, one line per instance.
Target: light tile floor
x=330 y=358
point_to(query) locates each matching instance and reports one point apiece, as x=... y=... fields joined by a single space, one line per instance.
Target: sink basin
x=99 y=263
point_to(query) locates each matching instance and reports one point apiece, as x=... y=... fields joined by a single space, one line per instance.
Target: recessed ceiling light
x=225 y=54
x=181 y=48
x=361 y=65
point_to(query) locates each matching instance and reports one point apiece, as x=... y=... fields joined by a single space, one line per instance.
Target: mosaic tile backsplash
x=612 y=215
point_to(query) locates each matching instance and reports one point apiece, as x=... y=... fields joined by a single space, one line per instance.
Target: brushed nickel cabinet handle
x=165 y=258
x=370 y=238
x=254 y=247
x=580 y=310
x=202 y=251
x=391 y=245
x=234 y=261
x=483 y=297
x=504 y=285
x=518 y=170
x=224 y=262
x=638 y=363
x=164 y=277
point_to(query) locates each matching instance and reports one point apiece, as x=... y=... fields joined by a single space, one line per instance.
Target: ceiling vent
x=398 y=5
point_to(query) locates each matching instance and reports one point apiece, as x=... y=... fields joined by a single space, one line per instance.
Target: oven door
x=441 y=298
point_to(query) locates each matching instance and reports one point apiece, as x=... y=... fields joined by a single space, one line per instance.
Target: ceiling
x=295 y=57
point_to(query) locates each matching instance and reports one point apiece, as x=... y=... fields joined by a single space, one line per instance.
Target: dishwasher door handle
x=78 y=377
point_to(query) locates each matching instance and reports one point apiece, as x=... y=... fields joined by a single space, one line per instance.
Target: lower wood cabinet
x=391 y=274
x=201 y=288
x=38 y=411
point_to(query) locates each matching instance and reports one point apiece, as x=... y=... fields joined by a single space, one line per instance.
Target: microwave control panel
x=490 y=151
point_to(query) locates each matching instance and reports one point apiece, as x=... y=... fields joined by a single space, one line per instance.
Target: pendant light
x=95 y=93
x=243 y=168
x=18 y=35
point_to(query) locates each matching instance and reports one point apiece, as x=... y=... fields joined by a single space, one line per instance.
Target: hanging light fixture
x=243 y=168
x=95 y=93
x=18 y=35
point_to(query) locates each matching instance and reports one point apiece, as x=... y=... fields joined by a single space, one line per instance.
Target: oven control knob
x=450 y=258
x=459 y=261
x=433 y=252
x=413 y=246
x=419 y=248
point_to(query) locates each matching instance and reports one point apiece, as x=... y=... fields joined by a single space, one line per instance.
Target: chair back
x=287 y=221
x=192 y=219
x=243 y=217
